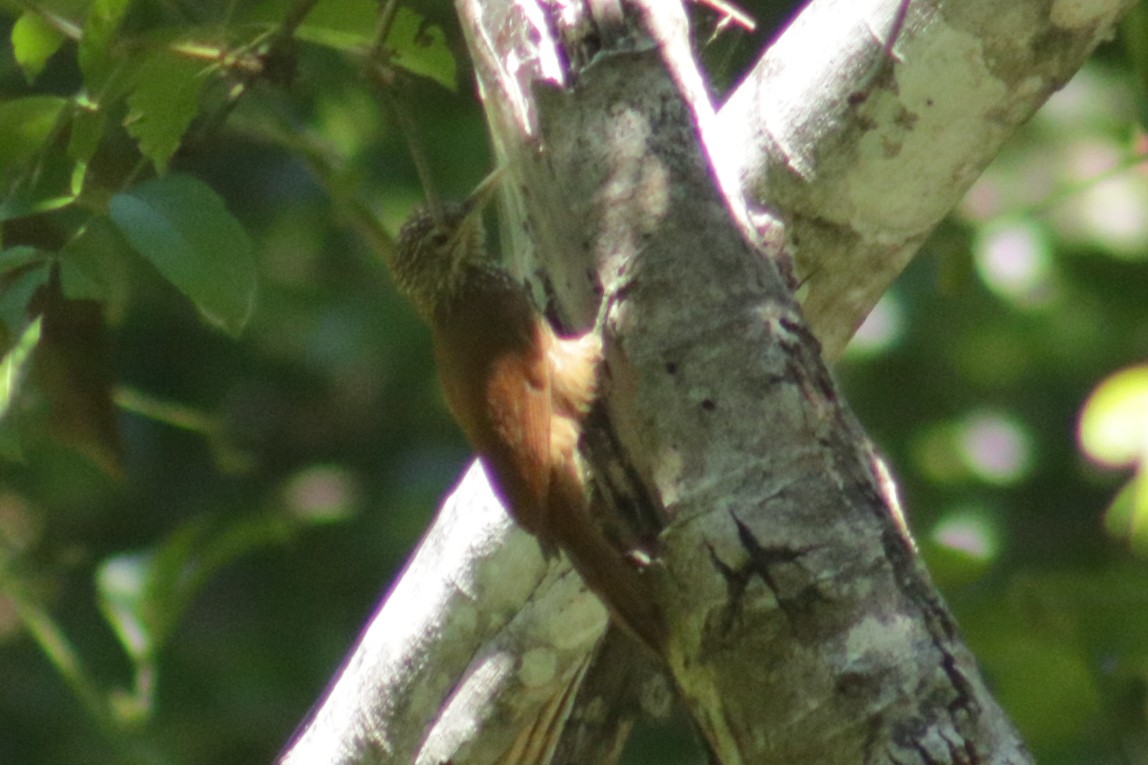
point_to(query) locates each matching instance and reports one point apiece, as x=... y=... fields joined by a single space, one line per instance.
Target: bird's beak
x=481 y=196
x=473 y=206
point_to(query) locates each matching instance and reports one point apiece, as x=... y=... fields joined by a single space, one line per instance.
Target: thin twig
x=383 y=30
x=898 y=24
x=295 y=17
x=406 y=124
x=730 y=13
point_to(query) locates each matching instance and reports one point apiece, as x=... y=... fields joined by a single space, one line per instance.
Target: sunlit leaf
x=183 y=228
x=34 y=41
x=1114 y=424
x=164 y=102
x=50 y=188
x=14 y=366
x=422 y=49
x=37 y=177
x=416 y=46
x=122 y=582
x=345 y=25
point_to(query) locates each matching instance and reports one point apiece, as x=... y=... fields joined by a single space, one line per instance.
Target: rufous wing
x=493 y=366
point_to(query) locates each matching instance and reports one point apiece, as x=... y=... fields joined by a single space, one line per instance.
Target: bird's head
x=435 y=243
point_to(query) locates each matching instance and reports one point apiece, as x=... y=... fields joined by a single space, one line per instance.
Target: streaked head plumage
x=431 y=250
x=436 y=243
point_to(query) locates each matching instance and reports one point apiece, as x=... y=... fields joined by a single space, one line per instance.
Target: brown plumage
x=519 y=393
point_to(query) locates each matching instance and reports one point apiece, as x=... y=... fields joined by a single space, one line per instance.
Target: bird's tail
x=607 y=572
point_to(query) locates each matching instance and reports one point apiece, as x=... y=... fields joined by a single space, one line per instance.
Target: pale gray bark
x=803 y=627
x=478 y=640
x=864 y=154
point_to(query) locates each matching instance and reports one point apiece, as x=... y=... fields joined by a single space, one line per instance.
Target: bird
x=519 y=392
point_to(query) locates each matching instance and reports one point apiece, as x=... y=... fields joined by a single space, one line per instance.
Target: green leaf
x=421 y=48
x=418 y=47
x=13 y=371
x=25 y=125
x=183 y=228
x=94 y=53
x=96 y=264
x=14 y=366
x=88 y=126
x=18 y=257
x=164 y=102
x=48 y=185
x=344 y=25
x=34 y=41
x=123 y=583
x=35 y=177
x=1114 y=423
x=18 y=292
x=1134 y=30
x=1127 y=516
x=78 y=284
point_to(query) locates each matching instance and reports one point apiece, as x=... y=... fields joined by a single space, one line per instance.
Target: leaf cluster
x=176 y=394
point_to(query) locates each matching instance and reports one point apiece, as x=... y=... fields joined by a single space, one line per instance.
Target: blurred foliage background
x=220 y=434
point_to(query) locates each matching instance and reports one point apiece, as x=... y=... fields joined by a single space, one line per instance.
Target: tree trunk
x=802 y=625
